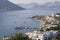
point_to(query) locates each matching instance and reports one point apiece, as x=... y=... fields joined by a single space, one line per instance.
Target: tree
x=41 y=30
x=56 y=37
x=57 y=28
x=19 y=36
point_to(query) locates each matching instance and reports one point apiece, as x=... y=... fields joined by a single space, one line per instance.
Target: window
x=38 y=39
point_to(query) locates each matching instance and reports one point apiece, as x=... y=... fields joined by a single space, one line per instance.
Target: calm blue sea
x=9 y=20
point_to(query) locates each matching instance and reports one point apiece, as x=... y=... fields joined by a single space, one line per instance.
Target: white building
x=41 y=35
x=5 y=38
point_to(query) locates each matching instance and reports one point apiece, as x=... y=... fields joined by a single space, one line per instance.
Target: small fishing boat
x=19 y=27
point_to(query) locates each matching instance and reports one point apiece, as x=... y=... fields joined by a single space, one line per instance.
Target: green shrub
x=19 y=36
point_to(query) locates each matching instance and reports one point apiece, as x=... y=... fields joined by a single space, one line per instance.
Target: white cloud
x=29 y=1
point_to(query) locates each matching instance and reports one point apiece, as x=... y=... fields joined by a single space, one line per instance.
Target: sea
x=9 y=20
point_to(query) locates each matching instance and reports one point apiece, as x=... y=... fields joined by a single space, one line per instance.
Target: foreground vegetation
x=19 y=36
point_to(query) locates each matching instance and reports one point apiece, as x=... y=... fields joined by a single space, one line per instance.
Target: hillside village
x=50 y=27
x=49 y=20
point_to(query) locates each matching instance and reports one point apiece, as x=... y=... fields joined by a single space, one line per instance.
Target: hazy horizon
x=32 y=1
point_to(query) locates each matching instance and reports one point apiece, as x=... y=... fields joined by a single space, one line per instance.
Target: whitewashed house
x=36 y=35
x=5 y=38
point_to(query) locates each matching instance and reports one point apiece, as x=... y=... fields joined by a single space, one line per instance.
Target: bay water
x=9 y=20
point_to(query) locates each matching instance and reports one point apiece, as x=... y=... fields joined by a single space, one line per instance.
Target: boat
x=19 y=27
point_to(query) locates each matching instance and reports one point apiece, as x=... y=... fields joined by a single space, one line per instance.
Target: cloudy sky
x=30 y=1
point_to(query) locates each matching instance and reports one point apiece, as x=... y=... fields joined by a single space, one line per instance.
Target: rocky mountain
x=6 y=5
x=51 y=6
x=47 y=6
x=28 y=6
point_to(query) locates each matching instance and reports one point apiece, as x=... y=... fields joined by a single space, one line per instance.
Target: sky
x=31 y=1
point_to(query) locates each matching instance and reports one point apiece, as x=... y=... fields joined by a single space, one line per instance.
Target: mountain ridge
x=46 y=6
x=6 y=5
